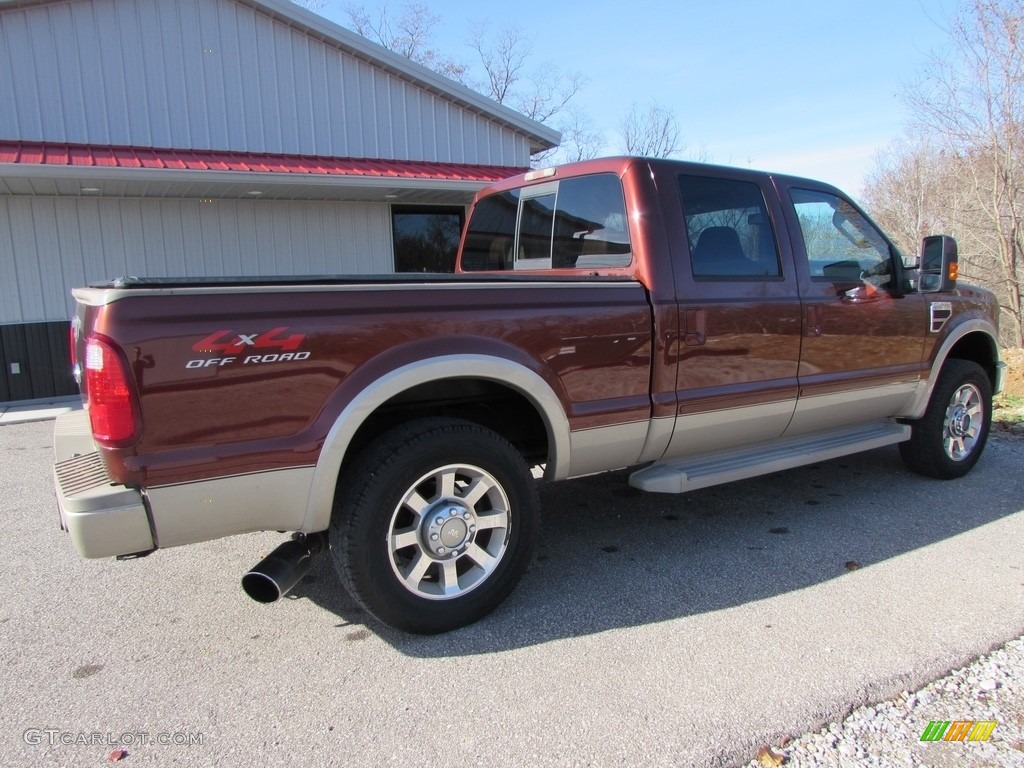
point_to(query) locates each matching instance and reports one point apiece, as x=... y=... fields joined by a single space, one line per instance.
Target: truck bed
x=426 y=278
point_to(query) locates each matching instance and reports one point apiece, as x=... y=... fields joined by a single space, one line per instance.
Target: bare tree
x=917 y=189
x=651 y=131
x=539 y=93
x=503 y=59
x=312 y=5
x=506 y=74
x=408 y=34
x=972 y=102
x=580 y=140
x=905 y=192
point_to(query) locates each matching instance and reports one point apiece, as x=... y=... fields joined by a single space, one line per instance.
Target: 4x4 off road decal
x=231 y=345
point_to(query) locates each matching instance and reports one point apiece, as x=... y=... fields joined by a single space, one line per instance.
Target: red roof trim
x=83 y=155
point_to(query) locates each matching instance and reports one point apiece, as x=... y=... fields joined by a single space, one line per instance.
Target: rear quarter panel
x=214 y=404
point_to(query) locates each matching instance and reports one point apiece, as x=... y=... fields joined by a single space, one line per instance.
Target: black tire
x=462 y=553
x=949 y=439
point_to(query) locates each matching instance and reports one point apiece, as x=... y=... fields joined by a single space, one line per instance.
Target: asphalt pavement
x=651 y=630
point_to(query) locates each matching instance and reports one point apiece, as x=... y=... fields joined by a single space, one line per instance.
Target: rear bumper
x=103 y=519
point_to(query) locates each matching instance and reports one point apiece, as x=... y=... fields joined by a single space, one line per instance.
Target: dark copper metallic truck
x=699 y=324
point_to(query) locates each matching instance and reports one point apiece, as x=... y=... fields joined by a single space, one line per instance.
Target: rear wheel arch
x=493 y=405
x=356 y=424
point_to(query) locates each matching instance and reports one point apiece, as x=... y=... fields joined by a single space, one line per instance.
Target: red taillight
x=111 y=403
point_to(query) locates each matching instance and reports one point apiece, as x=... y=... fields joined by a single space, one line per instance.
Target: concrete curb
x=41 y=411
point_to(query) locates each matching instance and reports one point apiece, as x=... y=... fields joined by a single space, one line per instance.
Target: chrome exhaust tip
x=274 y=576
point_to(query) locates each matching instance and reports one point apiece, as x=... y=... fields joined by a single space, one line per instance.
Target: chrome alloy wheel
x=449 y=532
x=965 y=417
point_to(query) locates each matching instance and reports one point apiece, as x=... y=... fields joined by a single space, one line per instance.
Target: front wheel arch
x=947 y=441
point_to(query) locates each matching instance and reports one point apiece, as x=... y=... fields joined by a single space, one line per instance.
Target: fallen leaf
x=117 y=755
x=786 y=740
x=852 y=565
x=769 y=758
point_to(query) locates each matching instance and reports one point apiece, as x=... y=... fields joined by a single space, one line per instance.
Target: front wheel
x=949 y=439
x=434 y=524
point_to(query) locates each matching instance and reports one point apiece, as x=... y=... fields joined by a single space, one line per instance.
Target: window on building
x=426 y=239
x=728 y=229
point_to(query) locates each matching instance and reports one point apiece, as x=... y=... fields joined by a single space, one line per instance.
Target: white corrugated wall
x=49 y=245
x=217 y=74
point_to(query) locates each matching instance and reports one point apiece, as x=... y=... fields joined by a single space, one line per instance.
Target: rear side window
x=578 y=223
x=728 y=230
x=492 y=233
x=536 y=223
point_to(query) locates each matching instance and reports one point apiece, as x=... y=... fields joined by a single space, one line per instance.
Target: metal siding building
x=224 y=74
x=212 y=138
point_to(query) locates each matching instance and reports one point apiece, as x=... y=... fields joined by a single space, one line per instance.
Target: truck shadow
x=612 y=557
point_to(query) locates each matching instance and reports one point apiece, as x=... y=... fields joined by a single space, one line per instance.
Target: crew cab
x=698 y=324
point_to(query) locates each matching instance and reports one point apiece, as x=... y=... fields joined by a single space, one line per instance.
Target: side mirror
x=939 y=264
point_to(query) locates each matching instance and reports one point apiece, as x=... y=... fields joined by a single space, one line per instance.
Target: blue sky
x=809 y=88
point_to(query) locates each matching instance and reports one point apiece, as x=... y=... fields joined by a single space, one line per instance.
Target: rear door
x=738 y=346
x=863 y=337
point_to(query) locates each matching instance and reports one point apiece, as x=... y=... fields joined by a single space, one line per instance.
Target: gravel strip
x=889 y=733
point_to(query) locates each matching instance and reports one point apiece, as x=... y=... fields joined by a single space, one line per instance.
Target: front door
x=863 y=336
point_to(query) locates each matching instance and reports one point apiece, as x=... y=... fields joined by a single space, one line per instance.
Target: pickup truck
x=697 y=324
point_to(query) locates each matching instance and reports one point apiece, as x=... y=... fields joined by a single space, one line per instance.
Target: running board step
x=689 y=474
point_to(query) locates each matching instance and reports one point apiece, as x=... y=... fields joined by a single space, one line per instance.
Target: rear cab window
x=728 y=230
x=578 y=223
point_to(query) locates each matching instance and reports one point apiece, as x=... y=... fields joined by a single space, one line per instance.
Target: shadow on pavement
x=612 y=557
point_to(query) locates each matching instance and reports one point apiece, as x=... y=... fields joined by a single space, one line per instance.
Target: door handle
x=696 y=330
x=813 y=326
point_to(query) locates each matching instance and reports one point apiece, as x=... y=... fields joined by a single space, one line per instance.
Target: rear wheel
x=434 y=524
x=949 y=439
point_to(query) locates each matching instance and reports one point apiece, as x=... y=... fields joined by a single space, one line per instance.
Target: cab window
x=575 y=223
x=492 y=233
x=841 y=244
x=728 y=230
